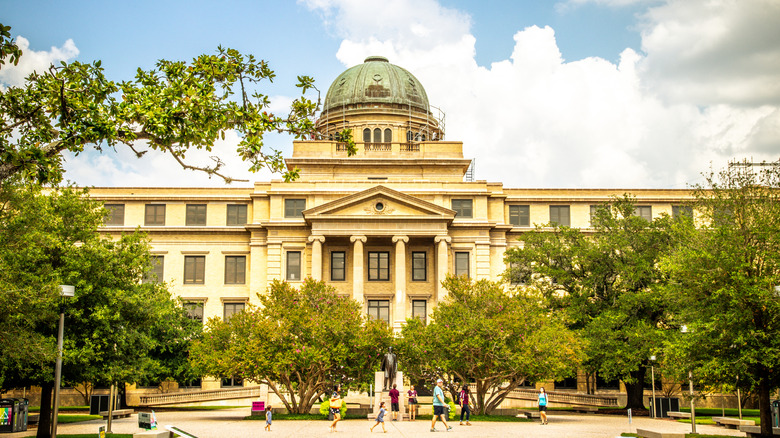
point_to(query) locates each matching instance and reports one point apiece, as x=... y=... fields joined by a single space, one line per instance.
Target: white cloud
x=38 y=61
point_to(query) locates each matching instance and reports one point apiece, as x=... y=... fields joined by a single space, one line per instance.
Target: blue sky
x=573 y=93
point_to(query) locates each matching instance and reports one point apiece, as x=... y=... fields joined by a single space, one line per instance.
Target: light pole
x=684 y=329
x=65 y=291
x=652 y=377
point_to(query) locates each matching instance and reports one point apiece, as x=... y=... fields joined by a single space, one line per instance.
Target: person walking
x=464 y=405
x=394 y=395
x=380 y=417
x=543 y=405
x=412 y=395
x=268 y=417
x=335 y=409
x=438 y=406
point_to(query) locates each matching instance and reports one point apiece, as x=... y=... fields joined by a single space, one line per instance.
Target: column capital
x=404 y=239
x=361 y=238
x=446 y=239
x=318 y=238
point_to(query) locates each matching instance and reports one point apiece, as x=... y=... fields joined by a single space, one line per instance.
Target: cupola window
x=366 y=135
x=377 y=135
x=388 y=136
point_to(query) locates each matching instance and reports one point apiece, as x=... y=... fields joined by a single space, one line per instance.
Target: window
x=644 y=211
x=462 y=207
x=236 y=214
x=682 y=211
x=235 y=269
x=294 y=207
x=293 y=265
x=409 y=136
x=115 y=216
x=560 y=215
x=520 y=215
x=194 y=310
x=154 y=215
x=232 y=382
x=419 y=266
x=379 y=266
x=388 y=136
x=155 y=273
x=419 y=310
x=366 y=135
x=196 y=214
x=338 y=266
x=377 y=135
x=379 y=309
x=462 y=264
x=194 y=269
x=231 y=309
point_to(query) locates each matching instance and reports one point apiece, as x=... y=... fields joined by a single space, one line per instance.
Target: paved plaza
x=230 y=423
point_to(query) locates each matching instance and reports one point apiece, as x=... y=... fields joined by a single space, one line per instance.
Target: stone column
x=442 y=260
x=400 y=281
x=357 y=267
x=316 y=256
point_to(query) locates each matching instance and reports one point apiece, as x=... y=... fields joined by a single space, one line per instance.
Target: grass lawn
x=68 y=418
x=62 y=408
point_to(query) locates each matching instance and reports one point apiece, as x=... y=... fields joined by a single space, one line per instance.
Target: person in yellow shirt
x=335 y=409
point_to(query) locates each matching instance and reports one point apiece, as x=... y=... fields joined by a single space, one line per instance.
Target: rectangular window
x=235 y=269
x=293 y=266
x=231 y=309
x=236 y=214
x=154 y=214
x=379 y=309
x=194 y=269
x=420 y=310
x=115 y=216
x=156 y=271
x=231 y=382
x=682 y=211
x=194 y=310
x=462 y=207
x=196 y=214
x=338 y=266
x=419 y=266
x=379 y=266
x=560 y=215
x=644 y=211
x=294 y=207
x=520 y=215
x=462 y=264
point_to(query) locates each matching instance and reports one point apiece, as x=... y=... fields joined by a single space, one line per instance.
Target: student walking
x=464 y=405
x=394 y=395
x=543 y=405
x=335 y=409
x=380 y=417
x=268 y=417
x=412 y=395
x=438 y=406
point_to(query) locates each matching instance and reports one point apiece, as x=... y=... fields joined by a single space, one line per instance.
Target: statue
x=390 y=367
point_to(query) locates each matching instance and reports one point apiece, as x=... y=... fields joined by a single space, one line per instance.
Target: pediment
x=379 y=202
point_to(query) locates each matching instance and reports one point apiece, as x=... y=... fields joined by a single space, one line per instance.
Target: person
x=438 y=406
x=335 y=409
x=464 y=405
x=543 y=405
x=268 y=418
x=380 y=417
x=394 y=394
x=412 y=395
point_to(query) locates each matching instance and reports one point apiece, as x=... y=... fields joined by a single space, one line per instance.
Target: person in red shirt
x=394 y=394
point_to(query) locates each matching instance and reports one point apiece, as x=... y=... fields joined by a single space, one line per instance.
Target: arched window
x=377 y=135
x=423 y=137
x=417 y=137
x=388 y=136
x=366 y=135
x=408 y=135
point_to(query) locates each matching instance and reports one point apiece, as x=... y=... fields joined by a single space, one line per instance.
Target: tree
x=724 y=278
x=606 y=280
x=299 y=342
x=481 y=332
x=174 y=108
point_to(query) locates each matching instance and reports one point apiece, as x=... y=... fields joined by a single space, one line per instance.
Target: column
x=316 y=256
x=400 y=281
x=357 y=267
x=441 y=265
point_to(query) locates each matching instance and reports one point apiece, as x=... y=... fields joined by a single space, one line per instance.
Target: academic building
x=384 y=226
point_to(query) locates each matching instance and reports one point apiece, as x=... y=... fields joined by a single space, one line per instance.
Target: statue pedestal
x=381 y=395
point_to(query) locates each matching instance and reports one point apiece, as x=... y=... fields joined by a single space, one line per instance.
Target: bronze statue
x=390 y=367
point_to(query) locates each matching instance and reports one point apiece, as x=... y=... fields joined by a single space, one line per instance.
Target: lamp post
x=652 y=377
x=684 y=329
x=65 y=291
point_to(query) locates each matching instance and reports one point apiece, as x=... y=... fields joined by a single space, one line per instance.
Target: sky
x=558 y=94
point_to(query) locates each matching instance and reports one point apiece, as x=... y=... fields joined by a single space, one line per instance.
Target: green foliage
x=301 y=342
x=325 y=408
x=481 y=332
x=8 y=49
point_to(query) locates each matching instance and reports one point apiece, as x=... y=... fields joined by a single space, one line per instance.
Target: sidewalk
x=230 y=423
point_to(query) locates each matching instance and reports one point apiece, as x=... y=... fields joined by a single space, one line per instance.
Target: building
x=384 y=226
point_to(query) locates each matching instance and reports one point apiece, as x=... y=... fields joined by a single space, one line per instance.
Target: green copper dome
x=376 y=81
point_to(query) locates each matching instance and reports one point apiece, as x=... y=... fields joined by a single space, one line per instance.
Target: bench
x=732 y=423
x=117 y=413
x=652 y=434
x=755 y=431
x=33 y=418
x=529 y=414
x=675 y=414
x=585 y=409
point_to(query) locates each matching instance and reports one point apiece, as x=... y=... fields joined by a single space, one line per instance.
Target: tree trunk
x=635 y=391
x=44 y=420
x=764 y=405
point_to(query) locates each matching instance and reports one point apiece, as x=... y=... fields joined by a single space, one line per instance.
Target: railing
x=568 y=398
x=341 y=147
x=198 y=396
x=377 y=147
x=410 y=147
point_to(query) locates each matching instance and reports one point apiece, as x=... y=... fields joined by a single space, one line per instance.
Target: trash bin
x=775 y=413
x=98 y=403
x=21 y=414
x=663 y=405
x=8 y=407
